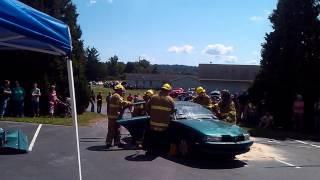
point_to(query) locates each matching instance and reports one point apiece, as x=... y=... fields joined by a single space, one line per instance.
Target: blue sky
x=185 y=32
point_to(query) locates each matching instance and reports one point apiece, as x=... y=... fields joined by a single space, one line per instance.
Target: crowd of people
x=15 y=97
x=231 y=108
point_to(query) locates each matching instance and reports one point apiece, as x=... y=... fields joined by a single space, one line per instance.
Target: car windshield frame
x=189 y=110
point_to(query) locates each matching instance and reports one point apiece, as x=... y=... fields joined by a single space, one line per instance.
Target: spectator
x=243 y=101
x=92 y=100
x=266 y=121
x=298 y=112
x=130 y=98
x=108 y=101
x=252 y=116
x=53 y=99
x=227 y=110
x=35 y=100
x=317 y=114
x=136 y=98
x=5 y=94
x=99 y=102
x=18 y=95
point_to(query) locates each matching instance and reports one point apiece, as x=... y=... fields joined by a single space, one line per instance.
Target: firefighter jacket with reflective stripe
x=116 y=105
x=160 y=108
x=138 y=110
x=204 y=100
x=228 y=111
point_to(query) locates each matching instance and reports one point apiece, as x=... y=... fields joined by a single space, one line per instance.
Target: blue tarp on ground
x=22 y=27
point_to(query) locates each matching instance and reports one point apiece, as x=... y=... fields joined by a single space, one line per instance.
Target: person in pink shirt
x=298 y=112
x=52 y=100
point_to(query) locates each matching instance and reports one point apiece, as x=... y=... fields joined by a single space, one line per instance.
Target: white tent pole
x=74 y=110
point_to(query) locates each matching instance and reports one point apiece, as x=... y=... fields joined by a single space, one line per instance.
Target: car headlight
x=212 y=139
x=246 y=136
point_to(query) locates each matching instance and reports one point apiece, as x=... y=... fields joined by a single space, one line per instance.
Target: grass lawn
x=83 y=119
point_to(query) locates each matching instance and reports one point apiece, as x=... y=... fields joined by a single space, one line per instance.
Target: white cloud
x=256 y=18
x=186 y=49
x=94 y=2
x=218 y=49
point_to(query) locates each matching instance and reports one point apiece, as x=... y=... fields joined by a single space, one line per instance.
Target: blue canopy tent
x=24 y=28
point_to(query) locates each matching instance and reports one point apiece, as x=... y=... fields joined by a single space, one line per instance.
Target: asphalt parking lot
x=54 y=157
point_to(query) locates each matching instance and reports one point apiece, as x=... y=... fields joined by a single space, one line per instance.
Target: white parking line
x=286 y=163
x=34 y=137
x=303 y=142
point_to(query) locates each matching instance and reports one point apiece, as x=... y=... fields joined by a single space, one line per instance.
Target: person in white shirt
x=35 y=93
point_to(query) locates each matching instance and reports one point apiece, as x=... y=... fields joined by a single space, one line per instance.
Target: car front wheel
x=184 y=148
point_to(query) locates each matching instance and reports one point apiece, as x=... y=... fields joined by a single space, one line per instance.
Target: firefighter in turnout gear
x=202 y=98
x=227 y=110
x=160 y=108
x=116 y=106
x=147 y=95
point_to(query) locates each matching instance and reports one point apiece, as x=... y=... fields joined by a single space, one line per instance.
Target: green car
x=195 y=128
x=13 y=141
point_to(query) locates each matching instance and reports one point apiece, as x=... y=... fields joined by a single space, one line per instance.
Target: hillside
x=178 y=69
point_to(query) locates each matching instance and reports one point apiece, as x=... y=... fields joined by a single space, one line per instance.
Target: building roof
x=155 y=77
x=226 y=72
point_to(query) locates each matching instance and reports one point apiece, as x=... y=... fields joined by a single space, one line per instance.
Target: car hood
x=211 y=127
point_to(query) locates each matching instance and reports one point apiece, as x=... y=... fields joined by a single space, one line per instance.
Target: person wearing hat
x=160 y=107
x=227 y=110
x=202 y=98
x=116 y=106
x=147 y=95
x=53 y=100
x=216 y=98
x=99 y=102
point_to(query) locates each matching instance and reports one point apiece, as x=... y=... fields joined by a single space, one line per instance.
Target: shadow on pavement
x=103 y=148
x=140 y=157
x=193 y=162
x=11 y=152
x=207 y=163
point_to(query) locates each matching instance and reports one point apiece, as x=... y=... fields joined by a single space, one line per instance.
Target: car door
x=135 y=125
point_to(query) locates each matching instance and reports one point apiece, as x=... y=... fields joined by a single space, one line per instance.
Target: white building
x=154 y=81
x=235 y=78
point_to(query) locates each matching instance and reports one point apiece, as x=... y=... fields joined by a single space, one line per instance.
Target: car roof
x=186 y=103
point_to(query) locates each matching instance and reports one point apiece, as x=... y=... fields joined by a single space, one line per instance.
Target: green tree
x=290 y=58
x=155 y=69
x=112 y=65
x=95 y=70
x=54 y=68
x=130 y=67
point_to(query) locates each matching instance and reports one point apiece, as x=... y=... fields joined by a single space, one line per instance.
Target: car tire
x=184 y=148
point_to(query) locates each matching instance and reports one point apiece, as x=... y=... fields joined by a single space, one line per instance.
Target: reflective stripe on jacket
x=204 y=101
x=116 y=106
x=228 y=112
x=160 y=108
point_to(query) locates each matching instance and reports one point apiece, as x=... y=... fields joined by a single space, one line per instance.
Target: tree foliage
x=30 y=67
x=290 y=59
x=95 y=70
